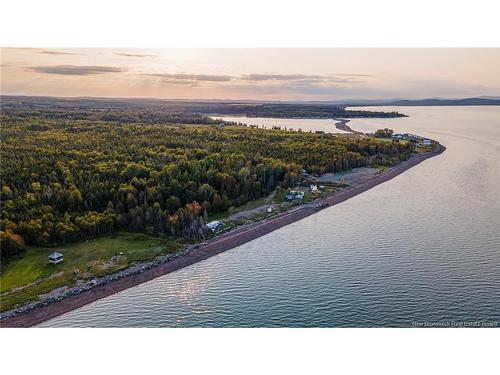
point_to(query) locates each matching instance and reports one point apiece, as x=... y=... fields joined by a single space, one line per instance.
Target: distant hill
x=438 y=102
x=178 y=111
x=251 y=108
x=434 y=102
x=490 y=97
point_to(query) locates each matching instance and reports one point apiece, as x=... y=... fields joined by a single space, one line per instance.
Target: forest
x=178 y=111
x=65 y=179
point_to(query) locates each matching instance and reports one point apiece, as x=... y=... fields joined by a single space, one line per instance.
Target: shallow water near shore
x=325 y=125
x=420 y=249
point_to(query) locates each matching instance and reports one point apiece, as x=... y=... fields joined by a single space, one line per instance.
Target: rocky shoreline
x=73 y=291
x=75 y=297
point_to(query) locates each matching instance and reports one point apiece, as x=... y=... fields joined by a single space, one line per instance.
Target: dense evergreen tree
x=64 y=180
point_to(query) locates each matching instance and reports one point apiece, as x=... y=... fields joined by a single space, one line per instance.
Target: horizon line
x=484 y=97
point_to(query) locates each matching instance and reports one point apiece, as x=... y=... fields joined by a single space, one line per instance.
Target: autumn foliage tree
x=65 y=179
x=10 y=243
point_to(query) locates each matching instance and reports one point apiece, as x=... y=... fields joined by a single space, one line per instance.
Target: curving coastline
x=212 y=247
x=341 y=124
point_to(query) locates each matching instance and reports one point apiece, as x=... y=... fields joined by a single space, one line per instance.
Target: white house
x=427 y=142
x=214 y=225
x=55 y=257
x=295 y=196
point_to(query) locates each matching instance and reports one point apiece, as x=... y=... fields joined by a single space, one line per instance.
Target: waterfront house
x=295 y=196
x=314 y=188
x=410 y=137
x=55 y=257
x=214 y=225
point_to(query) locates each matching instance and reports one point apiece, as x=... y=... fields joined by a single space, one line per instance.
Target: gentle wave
x=421 y=247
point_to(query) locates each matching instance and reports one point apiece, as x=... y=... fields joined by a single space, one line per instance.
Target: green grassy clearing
x=310 y=196
x=422 y=149
x=402 y=141
x=250 y=205
x=218 y=216
x=32 y=275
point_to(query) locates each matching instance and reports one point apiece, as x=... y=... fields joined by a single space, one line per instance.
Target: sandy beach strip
x=212 y=247
x=341 y=124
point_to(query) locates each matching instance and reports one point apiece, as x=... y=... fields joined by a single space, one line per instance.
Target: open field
x=402 y=141
x=250 y=205
x=226 y=241
x=29 y=275
x=354 y=176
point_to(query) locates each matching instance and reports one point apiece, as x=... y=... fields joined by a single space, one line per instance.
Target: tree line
x=68 y=179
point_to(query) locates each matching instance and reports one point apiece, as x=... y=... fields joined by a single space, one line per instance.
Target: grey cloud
x=279 y=77
x=306 y=78
x=312 y=79
x=49 y=52
x=135 y=55
x=275 y=77
x=190 y=78
x=300 y=89
x=76 y=70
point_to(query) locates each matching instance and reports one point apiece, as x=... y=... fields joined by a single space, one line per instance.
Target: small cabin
x=427 y=142
x=55 y=257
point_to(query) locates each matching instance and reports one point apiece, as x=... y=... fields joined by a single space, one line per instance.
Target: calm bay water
x=326 y=125
x=422 y=247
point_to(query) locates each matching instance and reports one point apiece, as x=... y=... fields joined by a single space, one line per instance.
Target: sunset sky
x=268 y=74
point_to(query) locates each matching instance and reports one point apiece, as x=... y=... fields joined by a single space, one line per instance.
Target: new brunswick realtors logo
x=453 y=324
